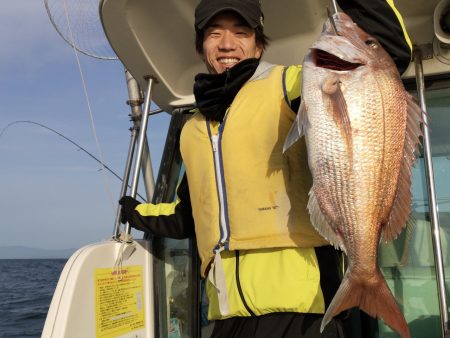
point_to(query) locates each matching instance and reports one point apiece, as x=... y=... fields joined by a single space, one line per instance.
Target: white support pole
x=141 y=142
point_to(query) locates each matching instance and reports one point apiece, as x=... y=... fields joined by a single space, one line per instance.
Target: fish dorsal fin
x=321 y=224
x=297 y=128
x=401 y=207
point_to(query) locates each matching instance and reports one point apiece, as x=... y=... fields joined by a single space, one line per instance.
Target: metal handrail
x=434 y=215
x=141 y=143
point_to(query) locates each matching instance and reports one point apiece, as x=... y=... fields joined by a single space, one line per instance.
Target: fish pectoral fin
x=297 y=128
x=331 y=87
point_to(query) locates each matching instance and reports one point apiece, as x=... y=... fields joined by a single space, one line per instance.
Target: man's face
x=227 y=41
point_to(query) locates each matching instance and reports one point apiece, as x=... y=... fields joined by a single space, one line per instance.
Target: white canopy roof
x=156 y=37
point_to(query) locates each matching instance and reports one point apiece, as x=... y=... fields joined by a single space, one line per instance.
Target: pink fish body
x=361 y=129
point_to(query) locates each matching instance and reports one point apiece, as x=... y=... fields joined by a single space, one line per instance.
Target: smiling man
x=228 y=40
x=268 y=273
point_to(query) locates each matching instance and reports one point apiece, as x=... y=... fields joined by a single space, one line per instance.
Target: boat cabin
x=155 y=39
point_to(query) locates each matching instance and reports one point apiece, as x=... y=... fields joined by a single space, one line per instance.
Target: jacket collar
x=214 y=93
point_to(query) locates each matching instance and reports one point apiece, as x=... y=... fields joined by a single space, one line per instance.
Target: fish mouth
x=323 y=59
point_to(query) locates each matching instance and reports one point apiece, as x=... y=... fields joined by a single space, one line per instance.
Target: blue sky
x=51 y=194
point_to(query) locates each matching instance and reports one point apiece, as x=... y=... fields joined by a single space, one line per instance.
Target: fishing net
x=78 y=23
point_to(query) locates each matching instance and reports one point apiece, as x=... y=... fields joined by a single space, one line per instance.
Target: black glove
x=128 y=204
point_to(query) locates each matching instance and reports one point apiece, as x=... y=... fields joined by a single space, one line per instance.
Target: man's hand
x=128 y=204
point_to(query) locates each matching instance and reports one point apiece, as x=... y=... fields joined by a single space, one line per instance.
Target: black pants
x=277 y=325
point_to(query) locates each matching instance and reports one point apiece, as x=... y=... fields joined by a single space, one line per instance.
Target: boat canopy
x=156 y=38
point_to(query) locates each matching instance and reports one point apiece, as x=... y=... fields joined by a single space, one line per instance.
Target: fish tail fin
x=375 y=299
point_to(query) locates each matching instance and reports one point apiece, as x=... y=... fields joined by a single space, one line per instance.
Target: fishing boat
x=150 y=287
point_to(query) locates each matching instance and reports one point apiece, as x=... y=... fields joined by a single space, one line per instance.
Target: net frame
x=78 y=23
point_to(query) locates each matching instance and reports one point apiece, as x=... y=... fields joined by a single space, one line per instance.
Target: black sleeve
x=378 y=18
x=173 y=221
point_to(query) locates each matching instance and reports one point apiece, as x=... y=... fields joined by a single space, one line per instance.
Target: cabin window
x=408 y=263
x=175 y=288
x=176 y=276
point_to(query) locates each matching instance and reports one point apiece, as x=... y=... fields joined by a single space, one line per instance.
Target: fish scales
x=361 y=128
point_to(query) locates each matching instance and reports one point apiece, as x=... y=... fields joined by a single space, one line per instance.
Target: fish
x=362 y=130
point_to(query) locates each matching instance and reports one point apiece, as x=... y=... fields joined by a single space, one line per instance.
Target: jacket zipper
x=216 y=141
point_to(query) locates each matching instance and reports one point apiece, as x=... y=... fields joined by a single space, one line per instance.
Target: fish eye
x=372 y=44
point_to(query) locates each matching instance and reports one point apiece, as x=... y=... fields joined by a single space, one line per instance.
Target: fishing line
x=94 y=131
x=71 y=141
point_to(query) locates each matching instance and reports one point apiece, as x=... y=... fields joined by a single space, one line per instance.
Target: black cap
x=250 y=10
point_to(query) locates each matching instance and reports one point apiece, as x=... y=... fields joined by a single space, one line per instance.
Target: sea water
x=26 y=290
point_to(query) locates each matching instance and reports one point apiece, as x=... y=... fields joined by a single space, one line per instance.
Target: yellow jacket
x=245 y=193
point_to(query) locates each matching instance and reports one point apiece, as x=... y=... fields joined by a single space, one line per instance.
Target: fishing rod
x=67 y=139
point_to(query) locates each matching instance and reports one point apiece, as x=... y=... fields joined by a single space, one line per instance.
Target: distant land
x=23 y=252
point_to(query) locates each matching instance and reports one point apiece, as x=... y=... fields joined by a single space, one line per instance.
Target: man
x=268 y=272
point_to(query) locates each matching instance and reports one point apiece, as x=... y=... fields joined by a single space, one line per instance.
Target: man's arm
x=172 y=220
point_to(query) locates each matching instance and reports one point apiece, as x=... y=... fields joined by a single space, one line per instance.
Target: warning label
x=119 y=301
